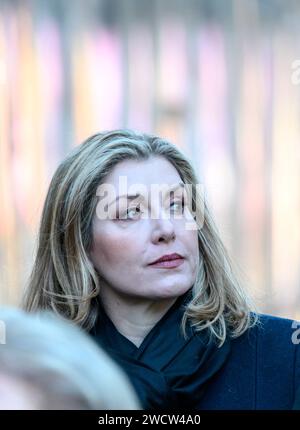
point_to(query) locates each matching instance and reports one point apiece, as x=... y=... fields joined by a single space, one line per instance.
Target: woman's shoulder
x=263 y=369
x=273 y=329
x=274 y=340
x=273 y=319
x=279 y=329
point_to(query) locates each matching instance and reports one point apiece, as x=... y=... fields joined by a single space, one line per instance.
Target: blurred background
x=216 y=77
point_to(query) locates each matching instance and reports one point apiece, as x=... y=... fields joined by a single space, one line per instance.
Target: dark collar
x=182 y=366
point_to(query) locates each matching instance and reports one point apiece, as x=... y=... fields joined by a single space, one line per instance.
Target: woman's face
x=122 y=249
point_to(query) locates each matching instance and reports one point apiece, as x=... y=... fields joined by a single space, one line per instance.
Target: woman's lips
x=169 y=264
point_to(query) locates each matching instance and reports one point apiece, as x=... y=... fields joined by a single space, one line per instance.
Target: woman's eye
x=179 y=205
x=130 y=213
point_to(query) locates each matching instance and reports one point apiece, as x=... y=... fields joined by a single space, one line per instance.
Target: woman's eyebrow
x=135 y=196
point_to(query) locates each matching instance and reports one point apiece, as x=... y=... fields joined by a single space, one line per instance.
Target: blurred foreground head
x=48 y=363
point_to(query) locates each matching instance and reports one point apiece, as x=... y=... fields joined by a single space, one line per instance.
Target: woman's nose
x=162 y=228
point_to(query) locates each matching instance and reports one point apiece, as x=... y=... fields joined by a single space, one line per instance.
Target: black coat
x=258 y=370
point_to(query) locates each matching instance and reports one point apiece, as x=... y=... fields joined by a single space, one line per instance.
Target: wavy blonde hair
x=63 y=278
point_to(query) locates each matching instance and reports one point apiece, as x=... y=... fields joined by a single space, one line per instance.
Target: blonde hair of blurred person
x=49 y=363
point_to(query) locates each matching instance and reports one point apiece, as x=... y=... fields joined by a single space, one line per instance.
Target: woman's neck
x=133 y=317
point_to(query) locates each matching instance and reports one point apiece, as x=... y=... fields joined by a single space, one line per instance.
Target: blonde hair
x=61 y=363
x=63 y=278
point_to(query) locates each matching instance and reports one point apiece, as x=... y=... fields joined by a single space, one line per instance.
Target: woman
x=42 y=366
x=182 y=329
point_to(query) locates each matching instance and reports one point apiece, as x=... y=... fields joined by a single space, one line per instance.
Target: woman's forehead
x=156 y=170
